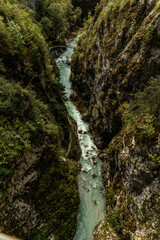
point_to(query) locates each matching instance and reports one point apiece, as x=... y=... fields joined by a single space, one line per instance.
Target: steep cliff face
x=42 y=197
x=115 y=77
x=116 y=56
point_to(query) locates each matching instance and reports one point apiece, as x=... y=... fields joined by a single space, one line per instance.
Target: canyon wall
x=115 y=77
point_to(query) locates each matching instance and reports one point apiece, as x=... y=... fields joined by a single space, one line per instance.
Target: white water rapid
x=92 y=206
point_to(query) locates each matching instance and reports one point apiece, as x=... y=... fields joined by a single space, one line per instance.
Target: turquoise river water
x=92 y=206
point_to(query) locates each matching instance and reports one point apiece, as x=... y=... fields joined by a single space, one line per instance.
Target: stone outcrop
x=29 y=208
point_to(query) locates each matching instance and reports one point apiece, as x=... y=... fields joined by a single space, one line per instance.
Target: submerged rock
x=94 y=175
x=95 y=202
x=94 y=162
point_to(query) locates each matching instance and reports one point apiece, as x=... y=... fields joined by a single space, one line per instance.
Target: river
x=91 y=190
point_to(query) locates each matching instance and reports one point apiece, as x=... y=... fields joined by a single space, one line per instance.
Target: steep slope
x=115 y=72
x=38 y=187
x=58 y=18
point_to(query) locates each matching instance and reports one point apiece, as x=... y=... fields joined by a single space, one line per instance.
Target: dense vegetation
x=117 y=78
x=32 y=114
x=141 y=116
x=58 y=18
x=27 y=84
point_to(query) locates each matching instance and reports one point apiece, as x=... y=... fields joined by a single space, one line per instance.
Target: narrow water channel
x=92 y=206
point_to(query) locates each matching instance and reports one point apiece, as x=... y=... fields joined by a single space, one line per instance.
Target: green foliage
x=110 y=193
x=148 y=101
x=114 y=219
x=141 y=123
x=155 y=158
x=143 y=114
x=55 y=23
x=14 y=140
x=32 y=114
x=121 y=220
x=2 y=67
x=16 y=36
x=25 y=121
x=58 y=18
x=24 y=50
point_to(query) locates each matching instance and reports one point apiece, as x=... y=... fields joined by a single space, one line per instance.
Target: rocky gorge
x=115 y=76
